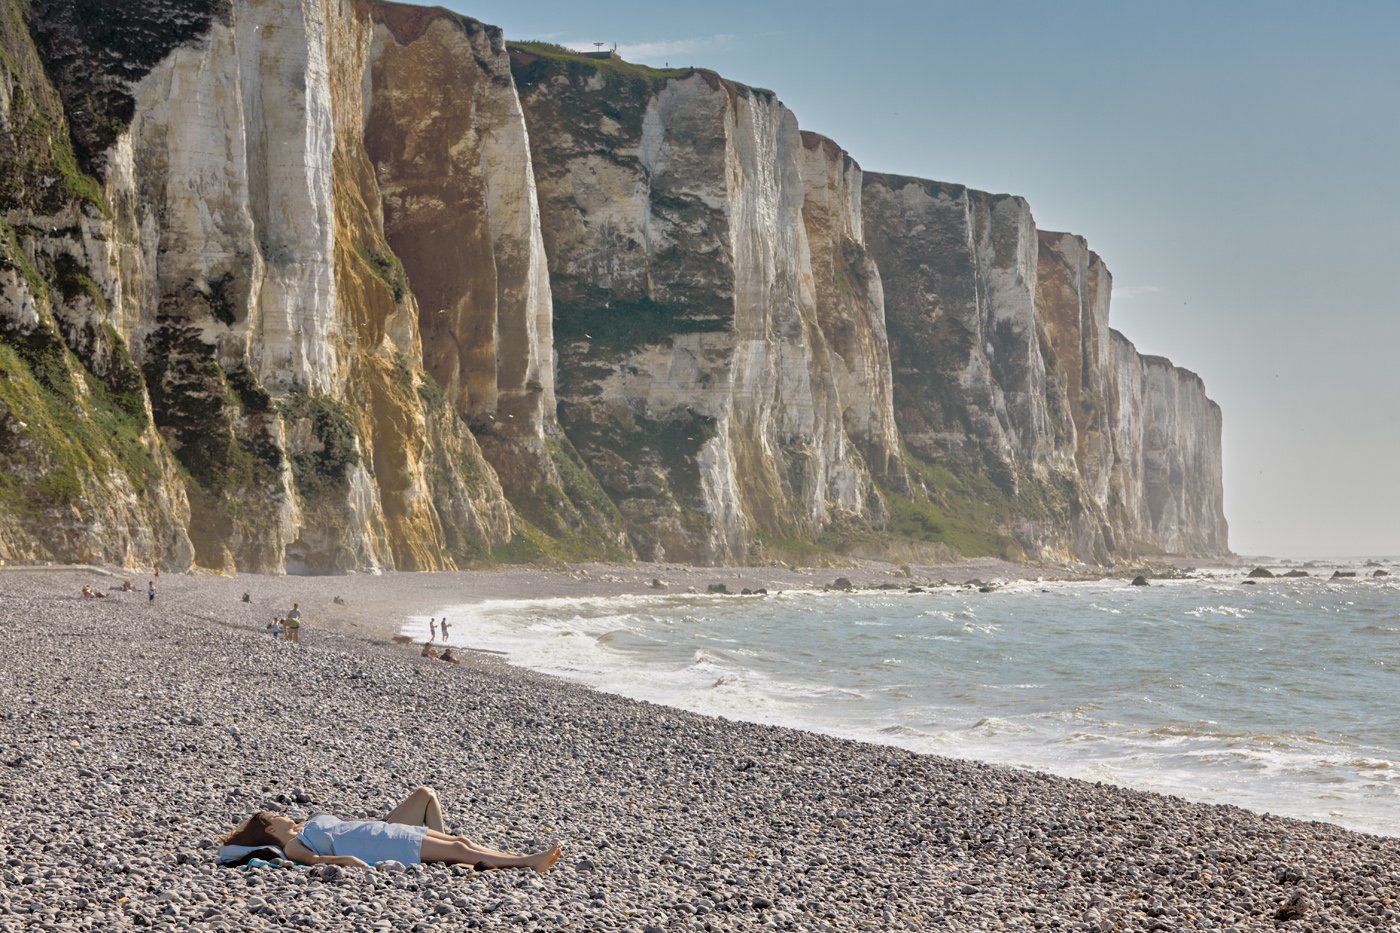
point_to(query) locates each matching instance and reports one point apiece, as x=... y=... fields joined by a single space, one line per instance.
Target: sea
x=1281 y=697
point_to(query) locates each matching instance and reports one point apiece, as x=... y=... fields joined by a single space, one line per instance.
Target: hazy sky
x=1236 y=164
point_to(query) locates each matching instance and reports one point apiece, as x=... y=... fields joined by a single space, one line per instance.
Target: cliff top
x=945 y=188
x=1161 y=362
x=408 y=21
x=525 y=54
x=830 y=146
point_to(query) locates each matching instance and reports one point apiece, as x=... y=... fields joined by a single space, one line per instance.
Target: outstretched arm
x=298 y=852
x=420 y=808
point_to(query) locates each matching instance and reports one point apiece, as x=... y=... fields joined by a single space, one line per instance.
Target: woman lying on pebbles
x=411 y=832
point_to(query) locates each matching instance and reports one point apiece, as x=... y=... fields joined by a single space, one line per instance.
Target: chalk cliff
x=850 y=303
x=237 y=249
x=332 y=285
x=694 y=374
x=1166 y=489
x=1004 y=365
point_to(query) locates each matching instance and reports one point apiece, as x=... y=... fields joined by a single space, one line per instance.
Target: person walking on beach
x=150 y=591
x=411 y=833
x=293 y=625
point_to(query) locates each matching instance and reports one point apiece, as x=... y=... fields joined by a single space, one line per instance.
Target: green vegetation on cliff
x=386 y=267
x=69 y=430
x=321 y=469
x=613 y=70
x=575 y=521
x=611 y=328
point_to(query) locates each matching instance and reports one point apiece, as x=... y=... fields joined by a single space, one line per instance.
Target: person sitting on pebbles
x=410 y=833
x=429 y=651
x=449 y=657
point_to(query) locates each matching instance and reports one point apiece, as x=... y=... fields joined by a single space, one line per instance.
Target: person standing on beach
x=293 y=623
x=432 y=628
x=150 y=591
x=443 y=625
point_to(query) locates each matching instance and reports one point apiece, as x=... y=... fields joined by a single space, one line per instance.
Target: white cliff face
x=1166 y=438
x=231 y=165
x=222 y=196
x=850 y=302
x=460 y=208
x=959 y=269
x=1003 y=360
x=335 y=232
x=1072 y=297
x=685 y=305
x=251 y=281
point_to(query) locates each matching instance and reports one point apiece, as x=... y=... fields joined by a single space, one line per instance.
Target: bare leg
x=420 y=808
x=448 y=837
x=459 y=853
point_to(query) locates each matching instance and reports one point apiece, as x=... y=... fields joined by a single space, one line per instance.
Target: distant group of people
x=431 y=652
x=126 y=587
x=288 y=626
x=444 y=655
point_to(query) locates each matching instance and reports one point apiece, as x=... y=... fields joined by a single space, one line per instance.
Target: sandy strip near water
x=131 y=734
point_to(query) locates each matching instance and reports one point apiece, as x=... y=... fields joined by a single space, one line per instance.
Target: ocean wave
x=1231 y=611
x=1279 y=702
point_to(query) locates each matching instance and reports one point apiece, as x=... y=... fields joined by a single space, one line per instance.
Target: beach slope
x=131 y=734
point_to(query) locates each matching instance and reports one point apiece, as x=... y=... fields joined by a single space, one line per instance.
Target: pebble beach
x=132 y=734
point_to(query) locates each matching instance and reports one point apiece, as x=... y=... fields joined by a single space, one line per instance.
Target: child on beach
x=150 y=591
x=275 y=628
x=411 y=833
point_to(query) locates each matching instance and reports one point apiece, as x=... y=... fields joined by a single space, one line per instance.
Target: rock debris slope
x=326 y=285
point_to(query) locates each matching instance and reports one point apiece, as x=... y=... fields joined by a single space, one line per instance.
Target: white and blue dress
x=372 y=841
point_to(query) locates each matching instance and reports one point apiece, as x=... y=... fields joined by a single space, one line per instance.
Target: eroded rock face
x=324 y=283
x=959 y=269
x=248 y=271
x=850 y=300
x=1003 y=362
x=84 y=476
x=1073 y=288
x=460 y=209
x=1166 y=437
x=694 y=376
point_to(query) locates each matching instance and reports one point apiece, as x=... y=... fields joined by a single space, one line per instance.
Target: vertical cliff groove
x=1166 y=487
x=850 y=303
x=460 y=209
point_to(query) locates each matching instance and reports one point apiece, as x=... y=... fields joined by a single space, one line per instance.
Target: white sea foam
x=1259 y=696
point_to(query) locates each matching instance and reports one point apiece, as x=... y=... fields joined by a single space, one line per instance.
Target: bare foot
x=544 y=861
